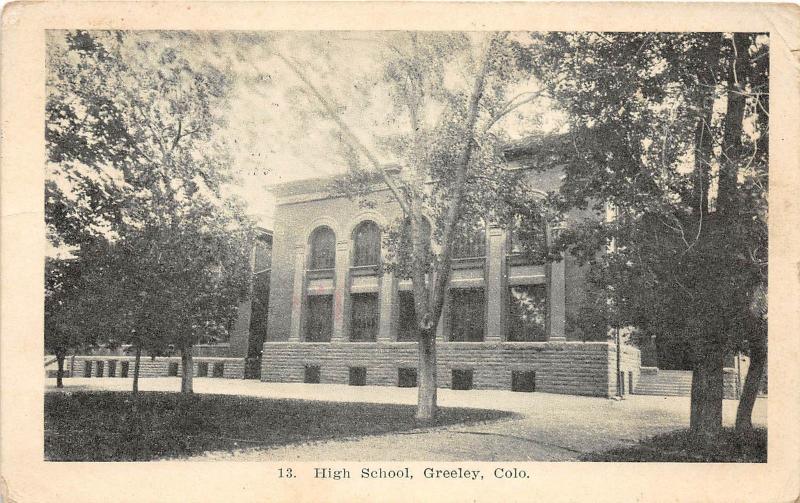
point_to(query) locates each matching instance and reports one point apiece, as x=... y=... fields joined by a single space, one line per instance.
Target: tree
x=686 y=183
x=134 y=124
x=450 y=147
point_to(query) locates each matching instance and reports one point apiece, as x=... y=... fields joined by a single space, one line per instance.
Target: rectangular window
x=319 y=324
x=467 y=315
x=123 y=370
x=172 y=370
x=407 y=378
x=112 y=368
x=202 y=369
x=99 y=369
x=218 y=370
x=462 y=379
x=524 y=380
x=406 y=318
x=364 y=317
x=311 y=374
x=527 y=313
x=358 y=376
x=87 y=369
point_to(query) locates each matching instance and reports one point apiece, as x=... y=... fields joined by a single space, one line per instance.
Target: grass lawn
x=101 y=426
x=681 y=446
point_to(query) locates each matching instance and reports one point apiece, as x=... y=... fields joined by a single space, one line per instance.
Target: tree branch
x=334 y=116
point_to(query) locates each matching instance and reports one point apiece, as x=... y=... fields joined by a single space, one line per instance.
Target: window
x=407 y=378
x=358 y=376
x=366 y=244
x=470 y=242
x=218 y=370
x=202 y=369
x=99 y=369
x=527 y=234
x=259 y=313
x=364 y=317
x=262 y=255
x=172 y=371
x=405 y=244
x=527 y=313
x=462 y=379
x=524 y=380
x=112 y=368
x=323 y=249
x=319 y=325
x=123 y=369
x=87 y=369
x=311 y=374
x=466 y=314
x=406 y=317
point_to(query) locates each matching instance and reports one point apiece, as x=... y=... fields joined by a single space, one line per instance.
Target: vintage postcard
x=393 y=251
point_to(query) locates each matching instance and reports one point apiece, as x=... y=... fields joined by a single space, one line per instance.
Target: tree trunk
x=136 y=372
x=426 y=398
x=60 y=356
x=758 y=360
x=733 y=125
x=707 y=394
x=186 y=370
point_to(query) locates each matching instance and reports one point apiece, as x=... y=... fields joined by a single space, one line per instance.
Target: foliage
x=679 y=267
x=137 y=187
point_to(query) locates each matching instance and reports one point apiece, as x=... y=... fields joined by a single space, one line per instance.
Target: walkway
x=551 y=427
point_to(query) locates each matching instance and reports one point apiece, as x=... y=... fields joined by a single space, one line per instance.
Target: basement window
x=202 y=369
x=523 y=380
x=172 y=370
x=112 y=368
x=87 y=369
x=358 y=376
x=462 y=379
x=123 y=369
x=99 y=369
x=407 y=378
x=218 y=369
x=311 y=374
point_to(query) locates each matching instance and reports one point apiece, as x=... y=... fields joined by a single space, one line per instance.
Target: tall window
x=323 y=249
x=263 y=256
x=364 y=317
x=470 y=242
x=366 y=244
x=319 y=325
x=527 y=307
x=259 y=312
x=406 y=318
x=527 y=239
x=467 y=314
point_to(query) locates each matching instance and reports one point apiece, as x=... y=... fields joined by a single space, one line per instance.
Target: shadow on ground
x=111 y=426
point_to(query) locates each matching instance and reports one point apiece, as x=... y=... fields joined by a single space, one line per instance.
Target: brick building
x=336 y=317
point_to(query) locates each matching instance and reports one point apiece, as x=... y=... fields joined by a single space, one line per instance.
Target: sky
x=277 y=129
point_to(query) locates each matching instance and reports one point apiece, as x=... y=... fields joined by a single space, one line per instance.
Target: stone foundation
x=232 y=368
x=575 y=368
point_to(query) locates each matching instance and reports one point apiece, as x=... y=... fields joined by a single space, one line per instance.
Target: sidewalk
x=552 y=427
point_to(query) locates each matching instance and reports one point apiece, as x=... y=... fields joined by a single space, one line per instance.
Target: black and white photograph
x=519 y=246
x=405 y=255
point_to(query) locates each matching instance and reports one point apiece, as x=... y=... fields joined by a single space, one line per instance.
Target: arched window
x=366 y=244
x=323 y=249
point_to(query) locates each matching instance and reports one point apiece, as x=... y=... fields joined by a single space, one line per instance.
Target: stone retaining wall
x=576 y=368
